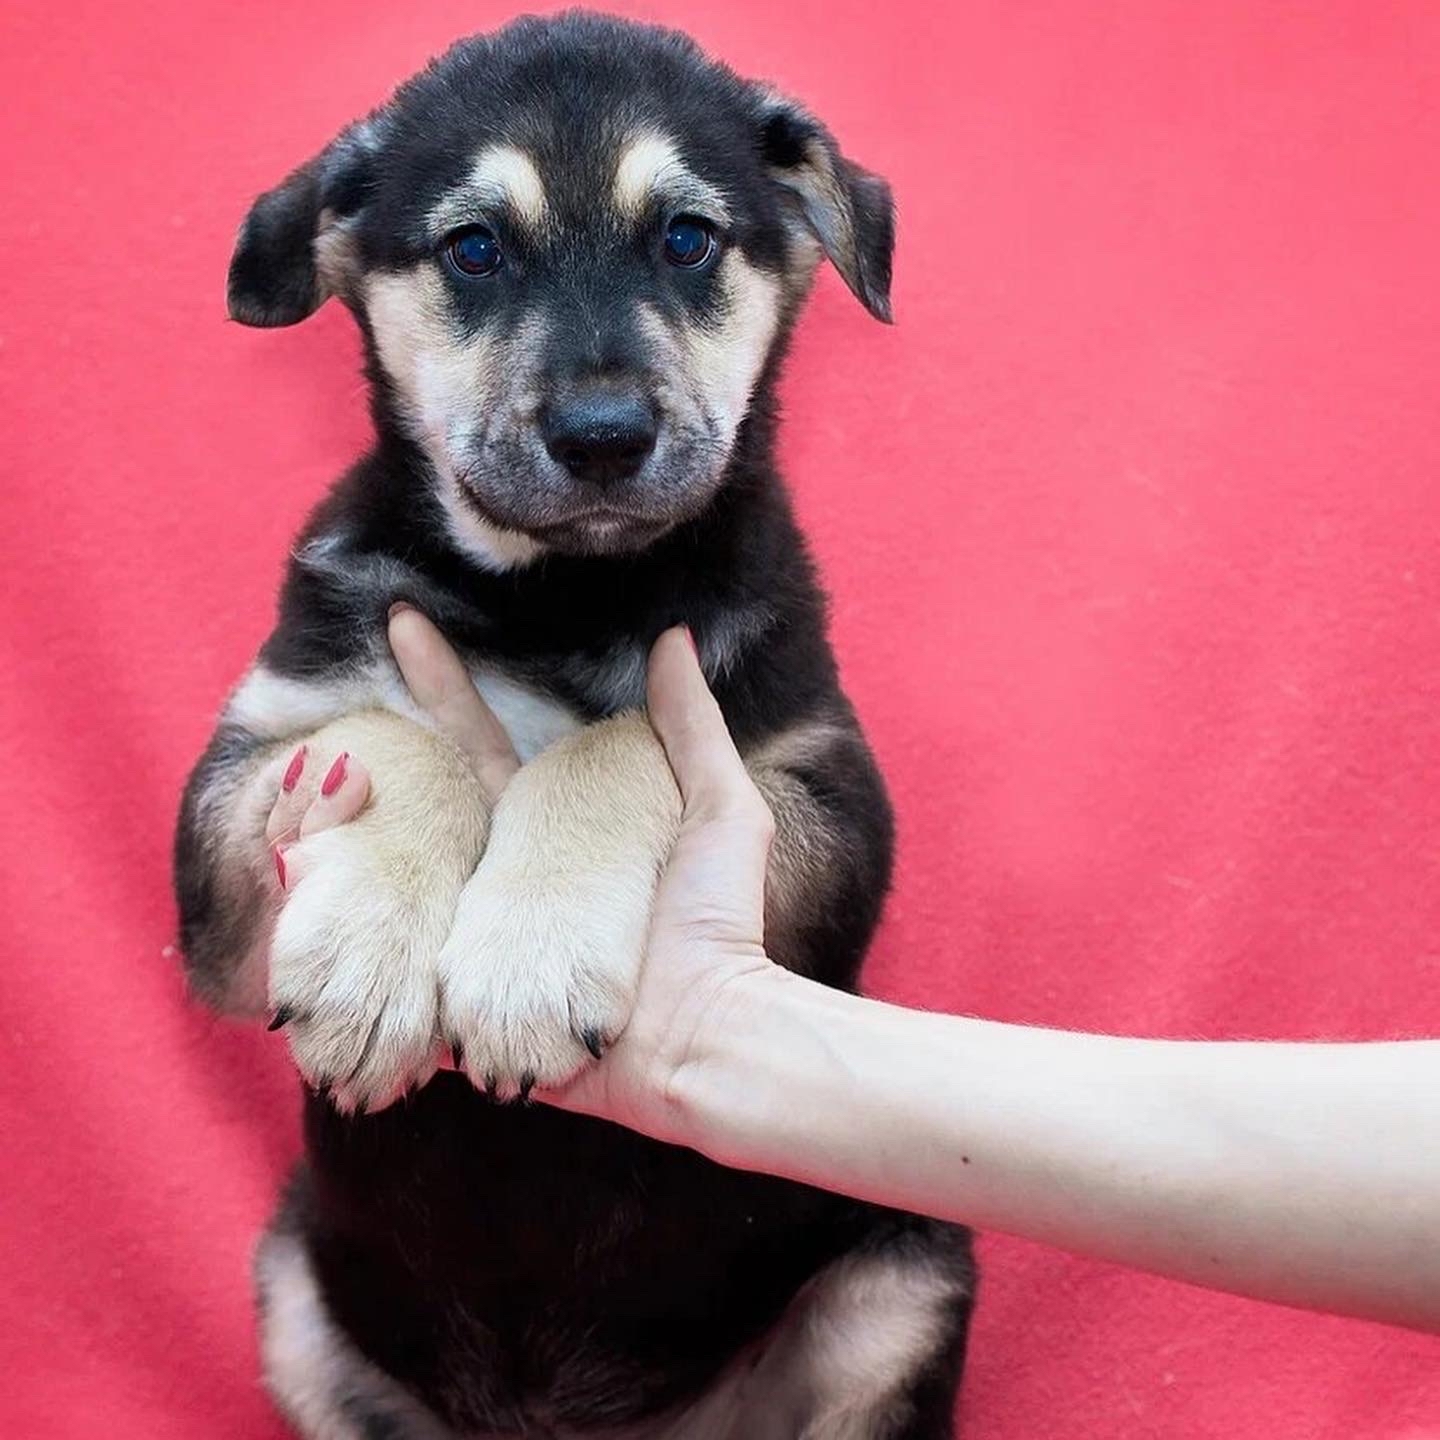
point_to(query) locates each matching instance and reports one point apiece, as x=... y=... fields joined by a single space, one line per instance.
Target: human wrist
x=744 y=1079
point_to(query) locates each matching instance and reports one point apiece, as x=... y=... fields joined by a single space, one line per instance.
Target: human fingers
x=441 y=686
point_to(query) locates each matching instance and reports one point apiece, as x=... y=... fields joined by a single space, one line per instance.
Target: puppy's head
x=572 y=246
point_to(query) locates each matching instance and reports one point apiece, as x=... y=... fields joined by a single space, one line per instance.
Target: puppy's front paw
x=539 y=976
x=370 y=900
x=353 y=967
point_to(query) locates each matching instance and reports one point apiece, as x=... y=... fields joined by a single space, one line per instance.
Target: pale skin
x=1307 y=1174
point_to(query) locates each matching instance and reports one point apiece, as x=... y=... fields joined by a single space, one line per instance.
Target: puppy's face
x=572 y=246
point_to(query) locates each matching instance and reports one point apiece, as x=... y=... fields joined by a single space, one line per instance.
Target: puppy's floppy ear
x=291 y=252
x=848 y=209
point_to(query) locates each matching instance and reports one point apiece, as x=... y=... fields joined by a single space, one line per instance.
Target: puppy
x=575 y=249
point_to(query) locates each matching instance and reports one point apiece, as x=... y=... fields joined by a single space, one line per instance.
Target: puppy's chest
x=529 y=703
x=532 y=719
x=275 y=706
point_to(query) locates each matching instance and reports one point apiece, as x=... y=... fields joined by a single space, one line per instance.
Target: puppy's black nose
x=601 y=437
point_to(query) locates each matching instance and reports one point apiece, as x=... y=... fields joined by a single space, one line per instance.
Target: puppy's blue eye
x=689 y=241
x=474 y=251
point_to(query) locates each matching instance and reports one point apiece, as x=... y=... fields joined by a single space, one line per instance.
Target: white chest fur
x=533 y=721
x=278 y=707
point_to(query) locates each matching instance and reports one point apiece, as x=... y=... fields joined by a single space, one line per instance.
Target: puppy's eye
x=474 y=252
x=689 y=242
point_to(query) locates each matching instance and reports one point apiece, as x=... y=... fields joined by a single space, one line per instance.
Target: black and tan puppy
x=575 y=249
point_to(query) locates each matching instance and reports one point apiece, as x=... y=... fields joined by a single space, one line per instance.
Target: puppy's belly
x=276 y=707
x=584 y=1271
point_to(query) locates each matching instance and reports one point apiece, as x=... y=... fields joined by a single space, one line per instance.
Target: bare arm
x=1305 y=1174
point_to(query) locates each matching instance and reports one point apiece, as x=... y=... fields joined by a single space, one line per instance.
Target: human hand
x=439 y=685
x=707 y=930
x=708 y=925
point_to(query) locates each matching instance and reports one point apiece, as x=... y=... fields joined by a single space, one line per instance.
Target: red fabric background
x=1131 y=527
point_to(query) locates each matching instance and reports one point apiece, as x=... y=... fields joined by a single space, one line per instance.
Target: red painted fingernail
x=293 y=770
x=279 y=865
x=335 y=777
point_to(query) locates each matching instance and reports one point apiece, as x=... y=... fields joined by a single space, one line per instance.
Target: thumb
x=713 y=781
x=716 y=876
x=440 y=685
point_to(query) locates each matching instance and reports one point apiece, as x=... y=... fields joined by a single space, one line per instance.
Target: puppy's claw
x=593 y=1042
x=527 y=1084
x=457 y=1054
x=282 y=1017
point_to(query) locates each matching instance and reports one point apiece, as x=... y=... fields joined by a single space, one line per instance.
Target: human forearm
x=1305 y=1174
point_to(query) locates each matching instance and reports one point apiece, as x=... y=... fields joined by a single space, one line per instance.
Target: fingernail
x=690 y=636
x=279 y=865
x=294 y=770
x=335 y=777
x=397 y=608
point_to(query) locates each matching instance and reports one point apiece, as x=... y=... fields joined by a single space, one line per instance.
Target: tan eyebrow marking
x=650 y=166
x=502 y=176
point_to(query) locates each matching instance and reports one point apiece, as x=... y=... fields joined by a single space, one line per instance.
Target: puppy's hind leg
x=871 y=1349
x=317 y=1378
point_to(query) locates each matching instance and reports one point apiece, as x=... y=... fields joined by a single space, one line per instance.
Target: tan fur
x=312 y=1371
x=336 y=262
x=713 y=369
x=731 y=354
x=492 y=545
x=445 y=383
x=503 y=177
x=280 y=713
x=835 y=1367
x=649 y=167
x=550 y=932
x=798 y=880
x=825 y=203
x=849 y=1345
x=436 y=374
x=354 y=948
x=825 y=222
x=357 y=943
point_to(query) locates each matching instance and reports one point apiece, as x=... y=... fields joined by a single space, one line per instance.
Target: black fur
x=521 y=1267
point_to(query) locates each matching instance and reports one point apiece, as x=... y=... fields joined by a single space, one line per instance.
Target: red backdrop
x=1131 y=528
